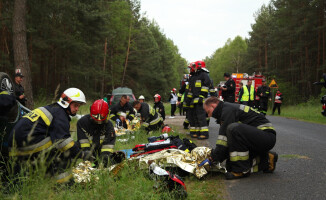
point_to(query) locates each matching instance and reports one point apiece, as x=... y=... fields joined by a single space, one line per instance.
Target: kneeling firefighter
x=46 y=130
x=95 y=132
x=245 y=139
x=150 y=119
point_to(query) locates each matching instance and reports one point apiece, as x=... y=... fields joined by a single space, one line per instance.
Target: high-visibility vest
x=245 y=96
x=183 y=97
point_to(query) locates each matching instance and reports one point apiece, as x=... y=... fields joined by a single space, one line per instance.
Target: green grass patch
x=310 y=112
x=131 y=182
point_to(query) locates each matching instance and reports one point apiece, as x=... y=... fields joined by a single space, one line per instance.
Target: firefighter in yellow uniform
x=46 y=130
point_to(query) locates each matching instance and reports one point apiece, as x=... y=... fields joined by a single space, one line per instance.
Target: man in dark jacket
x=95 y=133
x=245 y=139
x=264 y=93
x=150 y=119
x=185 y=99
x=19 y=89
x=122 y=107
x=47 y=129
x=228 y=90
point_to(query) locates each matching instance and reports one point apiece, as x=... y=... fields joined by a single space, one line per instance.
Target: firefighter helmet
x=141 y=97
x=192 y=67
x=157 y=96
x=166 y=129
x=200 y=64
x=99 y=111
x=71 y=95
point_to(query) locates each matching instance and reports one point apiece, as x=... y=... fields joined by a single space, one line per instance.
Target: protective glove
x=106 y=158
x=87 y=155
x=214 y=156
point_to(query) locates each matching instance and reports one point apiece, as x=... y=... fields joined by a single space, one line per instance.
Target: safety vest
x=245 y=96
x=183 y=97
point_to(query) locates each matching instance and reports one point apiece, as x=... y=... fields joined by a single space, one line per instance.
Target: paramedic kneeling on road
x=244 y=140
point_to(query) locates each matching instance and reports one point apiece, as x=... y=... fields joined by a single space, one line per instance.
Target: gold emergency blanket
x=186 y=161
x=84 y=173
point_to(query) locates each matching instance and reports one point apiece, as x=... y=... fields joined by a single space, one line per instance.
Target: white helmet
x=141 y=97
x=70 y=95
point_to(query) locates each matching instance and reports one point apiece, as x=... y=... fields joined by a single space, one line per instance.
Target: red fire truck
x=244 y=77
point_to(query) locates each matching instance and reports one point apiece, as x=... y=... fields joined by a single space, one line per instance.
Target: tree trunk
x=20 y=48
x=127 y=56
x=266 y=60
x=104 y=63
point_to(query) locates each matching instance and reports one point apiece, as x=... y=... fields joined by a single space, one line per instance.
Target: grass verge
x=305 y=112
x=131 y=183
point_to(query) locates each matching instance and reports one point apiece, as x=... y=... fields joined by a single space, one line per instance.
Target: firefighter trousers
x=56 y=164
x=263 y=105
x=197 y=121
x=248 y=148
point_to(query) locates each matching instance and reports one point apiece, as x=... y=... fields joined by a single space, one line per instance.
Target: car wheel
x=6 y=84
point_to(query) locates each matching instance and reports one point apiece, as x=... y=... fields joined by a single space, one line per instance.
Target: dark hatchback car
x=116 y=94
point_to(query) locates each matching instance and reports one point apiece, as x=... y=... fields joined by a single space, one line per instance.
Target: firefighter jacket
x=19 y=90
x=98 y=137
x=264 y=92
x=117 y=109
x=227 y=113
x=40 y=129
x=247 y=94
x=184 y=90
x=230 y=92
x=211 y=89
x=159 y=108
x=6 y=103
x=198 y=87
x=148 y=116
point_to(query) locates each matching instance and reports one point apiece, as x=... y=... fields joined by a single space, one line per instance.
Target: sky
x=200 y=27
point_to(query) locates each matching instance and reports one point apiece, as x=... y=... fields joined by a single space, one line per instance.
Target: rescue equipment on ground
x=167 y=181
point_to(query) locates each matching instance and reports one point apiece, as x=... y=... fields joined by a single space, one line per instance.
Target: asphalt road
x=300 y=171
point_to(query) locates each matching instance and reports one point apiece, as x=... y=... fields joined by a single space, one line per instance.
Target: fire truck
x=244 y=77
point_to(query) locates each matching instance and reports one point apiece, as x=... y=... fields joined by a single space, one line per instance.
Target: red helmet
x=166 y=129
x=200 y=64
x=174 y=89
x=99 y=111
x=192 y=66
x=157 y=96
